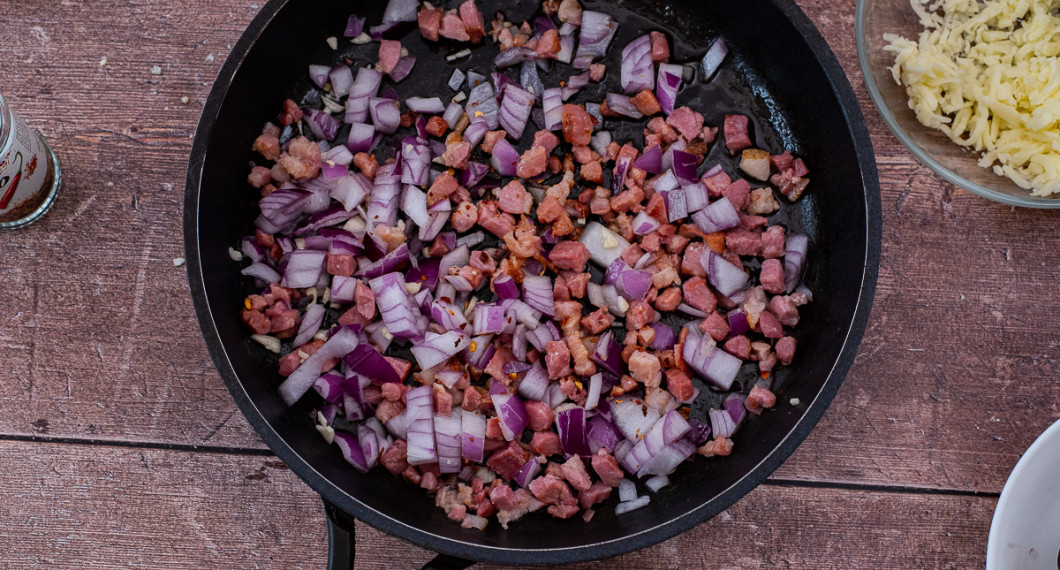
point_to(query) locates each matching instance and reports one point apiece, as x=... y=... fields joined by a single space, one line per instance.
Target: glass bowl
x=956 y=164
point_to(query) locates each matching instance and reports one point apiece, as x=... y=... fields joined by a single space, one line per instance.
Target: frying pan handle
x=341 y=538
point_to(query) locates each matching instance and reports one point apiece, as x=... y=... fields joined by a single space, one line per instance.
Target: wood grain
x=80 y=506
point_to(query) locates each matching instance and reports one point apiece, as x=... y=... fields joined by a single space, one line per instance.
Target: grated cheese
x=987 y=74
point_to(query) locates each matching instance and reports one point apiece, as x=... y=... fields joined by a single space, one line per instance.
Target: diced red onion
x=627 y=490
x=535 y=384
x=696 y=198
x=365 y=86
x=676 y=208
x=319 y=74
x=448 y=315
x=656 y=483
x=386 y=116
x=329 y=385
x=480 y=351
x=667 y=85
x=527 y=473
x=341 y=77
x=338 y=155
x=351 y=450
x=415 y=162
x=716 y=365
x=323 y=125
x=719 y=216
x=622 y=105
x=489 y=318
x=737 y=322
x=537 y=292
x=664 y=337
x=400 y=11
x=631 y=417
x=481 y=102
x=650 y=160
x=721 y=423
x=637 y=73
x=794 y=257
x=340 y=344
x=643 y=224
x=596 y=32
x=414 y=204
x=530 y=79
x=513 y=55
x=522 y=312
x=425 y=105
x=684 y=165
x=506 y=287
x=515 y=111
x=460 y=283
x=351 y=190
x=342 y=289
x=447 y=437
x=368 y=362
x=566 y=48
x=473 y=440
x=512 y=414
x=456 y=80
x=734 y=405
x=401 y=317
x=570 y=425
x=304 y=268
x=724 y=276
x=383 y=204
x=419 y=417
x=390 y=262
x=604 y=245
x=505 y=158
x=552 y=103
x=603 y=434
x=261 y=271
x=608 y=354
x=311 y=321
x=712 y=59
x=360 y=138
x=592 y=399
x=354 y=26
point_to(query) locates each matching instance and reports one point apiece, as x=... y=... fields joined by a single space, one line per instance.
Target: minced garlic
x=987 y=74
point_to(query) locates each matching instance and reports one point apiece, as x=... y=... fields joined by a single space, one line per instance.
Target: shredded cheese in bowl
x=987 y=74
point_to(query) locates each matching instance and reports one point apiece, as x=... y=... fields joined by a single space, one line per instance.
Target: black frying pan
x=781 y=70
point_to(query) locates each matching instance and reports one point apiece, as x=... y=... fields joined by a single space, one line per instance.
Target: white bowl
x=1025 y=534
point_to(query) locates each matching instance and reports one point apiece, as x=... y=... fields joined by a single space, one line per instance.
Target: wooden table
x=121 y=447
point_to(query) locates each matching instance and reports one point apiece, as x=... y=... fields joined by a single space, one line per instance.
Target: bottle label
x=23 y=171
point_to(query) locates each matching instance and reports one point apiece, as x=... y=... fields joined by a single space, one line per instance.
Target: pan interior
x=775 y=74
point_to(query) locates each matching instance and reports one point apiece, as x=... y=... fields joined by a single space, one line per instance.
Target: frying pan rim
x=859 y=134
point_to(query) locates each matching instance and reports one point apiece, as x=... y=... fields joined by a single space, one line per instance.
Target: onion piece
x=724 y=276
x=719 y=216
x=513 y=55
x=552 y=104
x=323 y=125
x=506 y=287
x=415 y=162
x=664 y=337
x=721 y=423
x=473 y=440
x=505 y=158
x=340 y=344
x=341 y=77
x=716 y=365
x=527 y=473
x=570 y=425
x=597 y=29
x=684 y=165
x=329 y=385
x=603 y=434
x=608 y=354
x=304 y=268
x=622 y=105
x=311 y=321
x=414 y=204
x=604 y=245
x=795 y=250
x=637 y=72
x=643 y=224
x=354 y=26
x=438 y=348
x=261 y=271
x=386 y=116
x=482 y=103
x=426 y=105
x=419 y=417
x=596 y=384
x=713 y=58
x=667 y=85
x=364 y=88
x=400 y=11
x=631 y=417
x=400 y=316
x=537 y=292
x=650 y=160
x=535 y=383
x=447 y=437
x=696 y=197
x=351 y=450
x=512 y=414
x=515 y=111
x=488 y=318
x=456 y=80
x=319 y=74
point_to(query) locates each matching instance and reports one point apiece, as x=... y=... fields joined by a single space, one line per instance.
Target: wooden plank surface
x=92 y=506
x=954 y=379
